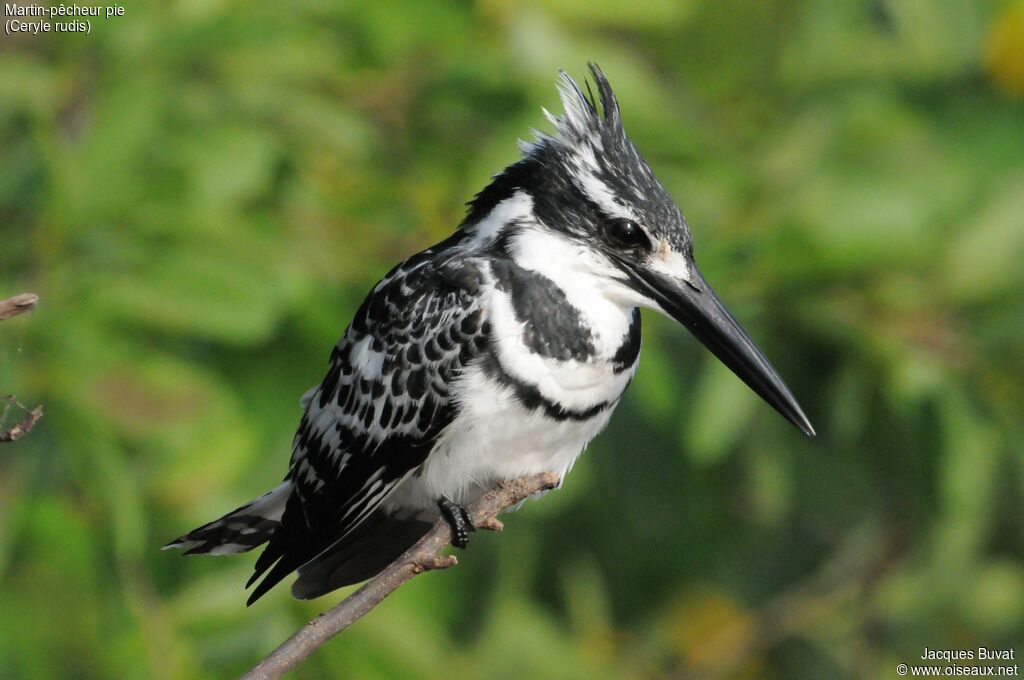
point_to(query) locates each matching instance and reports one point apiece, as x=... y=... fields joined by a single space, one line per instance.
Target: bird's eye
x=626 y=234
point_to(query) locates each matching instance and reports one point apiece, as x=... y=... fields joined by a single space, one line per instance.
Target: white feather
x=517 y=207
x=495 y=437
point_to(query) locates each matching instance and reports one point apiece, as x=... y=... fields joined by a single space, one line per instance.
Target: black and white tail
x=240 y=530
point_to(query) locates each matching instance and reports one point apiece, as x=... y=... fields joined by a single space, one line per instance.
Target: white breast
x=493 y=438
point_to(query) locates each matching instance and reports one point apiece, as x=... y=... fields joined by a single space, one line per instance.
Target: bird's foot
x=458 y=520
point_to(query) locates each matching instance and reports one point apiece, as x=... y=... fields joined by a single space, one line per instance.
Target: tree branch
x=19 y=304
x=22 y=428
x=424 y=556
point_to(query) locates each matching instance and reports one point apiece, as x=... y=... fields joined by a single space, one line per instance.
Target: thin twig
x=19 y=304
x=424 y=556
x=22 y=428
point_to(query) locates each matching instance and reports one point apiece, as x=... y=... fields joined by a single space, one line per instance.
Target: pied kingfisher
x=499 y=352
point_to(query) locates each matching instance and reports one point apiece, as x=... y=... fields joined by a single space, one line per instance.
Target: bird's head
x=590 y=203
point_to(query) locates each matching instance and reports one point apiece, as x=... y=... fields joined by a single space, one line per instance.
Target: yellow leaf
x=707 y=626
x=1004 y=53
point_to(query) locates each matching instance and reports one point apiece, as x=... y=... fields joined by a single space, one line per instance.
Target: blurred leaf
x=213 y=293
x=654 y=384
x=722 y=407
x=995 y=599
x=969 y=472
x=650 y=14
x=228 y=165
x=588 y=609
x=984 y=257
x=704 y=622
x=771 y=486
x=911 y=39
x=519 y=640
x=1004 y=53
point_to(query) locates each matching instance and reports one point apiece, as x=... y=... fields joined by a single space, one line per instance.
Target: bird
x=499 y=352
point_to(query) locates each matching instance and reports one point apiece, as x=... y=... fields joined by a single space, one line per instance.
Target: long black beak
x=695 y=305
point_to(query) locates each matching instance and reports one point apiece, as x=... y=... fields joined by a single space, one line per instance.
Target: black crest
x=589 y=147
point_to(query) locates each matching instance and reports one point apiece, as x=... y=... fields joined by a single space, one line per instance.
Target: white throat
x=587 y=278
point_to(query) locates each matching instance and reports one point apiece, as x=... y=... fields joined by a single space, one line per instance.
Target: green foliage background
x=201 y=191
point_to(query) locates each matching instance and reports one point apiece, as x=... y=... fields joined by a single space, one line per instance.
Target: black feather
x=346 y=456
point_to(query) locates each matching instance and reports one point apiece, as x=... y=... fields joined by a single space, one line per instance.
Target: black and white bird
x=499 y=352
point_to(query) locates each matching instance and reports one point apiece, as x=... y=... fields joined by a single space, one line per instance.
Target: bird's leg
x=458 y=520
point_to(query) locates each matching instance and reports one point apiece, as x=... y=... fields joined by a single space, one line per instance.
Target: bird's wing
x=382 y=406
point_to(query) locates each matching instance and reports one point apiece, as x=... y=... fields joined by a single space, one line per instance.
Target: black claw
x=459 y=521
